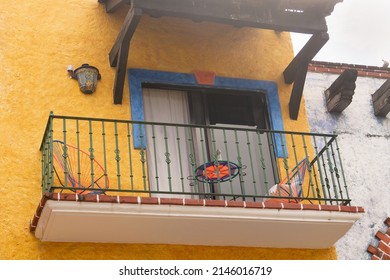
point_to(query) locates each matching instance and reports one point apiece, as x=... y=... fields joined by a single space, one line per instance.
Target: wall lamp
x=86 y=76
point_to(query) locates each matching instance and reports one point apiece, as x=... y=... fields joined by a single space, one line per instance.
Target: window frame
x=139 y=77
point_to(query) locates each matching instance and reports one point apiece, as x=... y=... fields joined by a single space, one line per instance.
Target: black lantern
x=87 y=77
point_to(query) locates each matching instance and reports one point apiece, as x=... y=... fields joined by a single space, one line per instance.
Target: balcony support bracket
x=297 y=69
x=113 y=5
x=120 y=51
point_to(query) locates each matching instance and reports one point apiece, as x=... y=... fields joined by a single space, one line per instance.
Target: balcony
x=123 y=181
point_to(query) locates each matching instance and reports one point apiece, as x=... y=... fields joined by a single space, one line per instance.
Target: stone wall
x=364 y=141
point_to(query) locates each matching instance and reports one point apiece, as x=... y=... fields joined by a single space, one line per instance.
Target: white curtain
x=167 y=146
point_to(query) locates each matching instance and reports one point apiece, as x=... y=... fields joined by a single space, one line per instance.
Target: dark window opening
x=229 y=107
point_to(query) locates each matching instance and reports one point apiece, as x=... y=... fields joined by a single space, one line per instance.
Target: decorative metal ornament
x=86 y=76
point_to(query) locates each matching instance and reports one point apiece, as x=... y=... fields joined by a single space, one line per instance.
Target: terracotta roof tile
x=338 y=68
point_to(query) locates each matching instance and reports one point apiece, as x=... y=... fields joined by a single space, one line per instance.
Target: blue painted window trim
x=139 y=76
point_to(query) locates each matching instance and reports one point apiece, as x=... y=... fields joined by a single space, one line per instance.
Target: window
x=225 y=95
x=234 y=114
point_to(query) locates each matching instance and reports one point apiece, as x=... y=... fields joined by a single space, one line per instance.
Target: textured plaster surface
x=39 y=39
x=364 y=141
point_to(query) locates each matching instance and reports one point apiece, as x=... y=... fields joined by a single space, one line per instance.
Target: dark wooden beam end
x=113 y=5
x=297 y=92
x=120 y=51
x=130 y=22
x=339 y=95
x=297 y=69
x=305 y=55
x=381 y=100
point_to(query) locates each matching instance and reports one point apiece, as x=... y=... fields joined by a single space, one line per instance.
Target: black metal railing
x=90 y=155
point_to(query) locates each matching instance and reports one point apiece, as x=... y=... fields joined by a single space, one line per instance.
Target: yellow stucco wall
x=39 y=39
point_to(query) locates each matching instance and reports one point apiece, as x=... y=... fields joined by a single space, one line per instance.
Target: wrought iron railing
x=122 y=157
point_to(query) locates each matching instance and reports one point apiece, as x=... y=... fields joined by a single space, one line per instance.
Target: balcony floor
x=118 y=219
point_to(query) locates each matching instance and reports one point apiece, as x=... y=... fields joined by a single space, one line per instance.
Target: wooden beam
x=297 y=69
x=306 y=54
x=120 y=74
x=340 y=93
x=297 y=91
x=113 y=5
x=120 y=51
x=258 y=14
x=381 y=100
x=129 y=25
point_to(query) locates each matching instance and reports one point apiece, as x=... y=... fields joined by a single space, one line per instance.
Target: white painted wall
x=364 y=141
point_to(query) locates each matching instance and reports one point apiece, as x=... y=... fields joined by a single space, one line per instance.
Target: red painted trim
x=204 y=77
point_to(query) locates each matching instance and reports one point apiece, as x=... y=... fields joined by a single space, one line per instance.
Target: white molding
x=66 y=221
